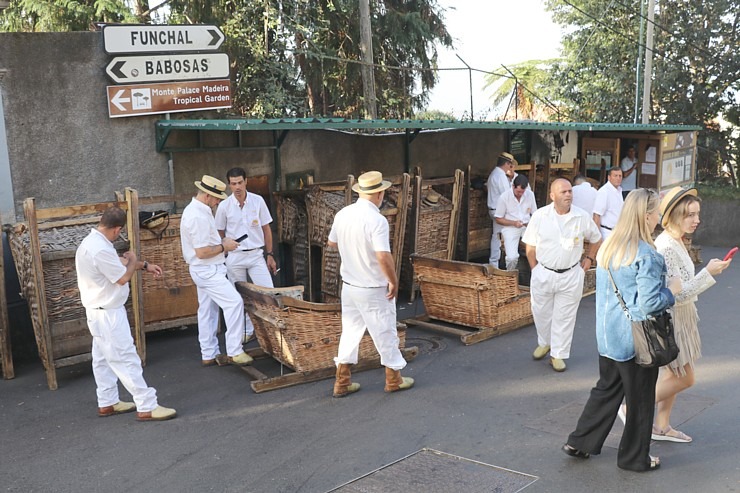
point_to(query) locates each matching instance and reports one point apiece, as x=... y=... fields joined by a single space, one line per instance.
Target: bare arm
x=509 y=222
x=210 y=251
x=597 y=220
x=267 y=232
x=588 y=260
x=385 y=259
x=531 y=256
x=331 y=244
x=222 y=233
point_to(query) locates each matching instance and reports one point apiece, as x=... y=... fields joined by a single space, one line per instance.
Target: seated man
x=513 y=210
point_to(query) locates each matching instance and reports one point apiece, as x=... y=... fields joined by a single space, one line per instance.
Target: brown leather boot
x=395 y=382
x=343 y=385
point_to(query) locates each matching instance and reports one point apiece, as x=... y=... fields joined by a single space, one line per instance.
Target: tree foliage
x=526 y=92
x=289 y=57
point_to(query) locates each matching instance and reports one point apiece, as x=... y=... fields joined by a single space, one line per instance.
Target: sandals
x=654 y=463
x=574 y=452
x=670 y=435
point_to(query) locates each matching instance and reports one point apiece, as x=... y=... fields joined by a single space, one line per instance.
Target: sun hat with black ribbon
x=371 y=182
x=508 y=157
x=212 y=186
x=671 y=199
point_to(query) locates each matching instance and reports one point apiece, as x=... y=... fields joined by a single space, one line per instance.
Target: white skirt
x=686 y=329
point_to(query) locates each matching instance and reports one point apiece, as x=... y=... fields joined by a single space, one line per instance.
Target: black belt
x=607 y=227
x=363 y=287
x=560 y=271
x=249 y=249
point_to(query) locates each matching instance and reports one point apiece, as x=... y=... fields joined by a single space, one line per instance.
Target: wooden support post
x=403 y=209
x=6 y=354
x=137 y=292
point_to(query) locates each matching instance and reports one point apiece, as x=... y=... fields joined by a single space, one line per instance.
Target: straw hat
x=371 y=182
x=508 y=157
x=671 y=199
x=212 y=186
x=431 y=198
x=151 y=220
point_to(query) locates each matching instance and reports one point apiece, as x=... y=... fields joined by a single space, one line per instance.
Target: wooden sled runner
x=301 y=335
x=475 y=296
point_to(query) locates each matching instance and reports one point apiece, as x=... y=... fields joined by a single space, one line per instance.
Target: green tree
x=62 y=15
x=528 y=88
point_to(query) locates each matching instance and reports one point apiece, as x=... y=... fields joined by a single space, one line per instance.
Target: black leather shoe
x=574 y=452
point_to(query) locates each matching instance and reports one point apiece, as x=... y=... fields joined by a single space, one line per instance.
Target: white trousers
x=239 y=264
x=114 y=358
x=495 y=241
x=605 y=233
x=512 y=236
x=555 y=299
x=215 y=291
x=368 y=308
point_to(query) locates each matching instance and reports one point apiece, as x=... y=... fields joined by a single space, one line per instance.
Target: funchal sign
x=161 y=39
x=182 y=71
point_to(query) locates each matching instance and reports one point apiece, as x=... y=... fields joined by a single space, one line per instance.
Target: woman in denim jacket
x=640 y=274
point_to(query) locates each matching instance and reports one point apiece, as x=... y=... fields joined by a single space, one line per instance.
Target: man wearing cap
x=498 y=183
x=609 y=202
x=203 y=250
x=370 y=286
x=102 y=278
x=513 y=210
x=554 y=238
x=245 y=214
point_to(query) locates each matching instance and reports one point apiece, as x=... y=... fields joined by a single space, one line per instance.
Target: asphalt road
x=489 y=402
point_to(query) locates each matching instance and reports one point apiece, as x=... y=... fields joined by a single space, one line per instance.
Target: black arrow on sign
x=216 y=37
x=116 y=70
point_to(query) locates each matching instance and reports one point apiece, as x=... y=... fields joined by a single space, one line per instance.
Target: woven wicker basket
x=303 y=336
x=474 y=295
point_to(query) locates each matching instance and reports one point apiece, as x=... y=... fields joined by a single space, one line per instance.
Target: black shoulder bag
x=655 y=344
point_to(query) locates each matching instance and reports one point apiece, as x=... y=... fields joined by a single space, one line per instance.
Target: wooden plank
x=169 y=303
x=137 y=294
x=403 y=206
x=488 y=333
x=69 y=222
x=41 y=320
x=455 y=215
x=6 y=354
x=169 y=324
x=416 y=322
x=73 y=360
x=297 y=378
x=76 y=210
x=70 y=337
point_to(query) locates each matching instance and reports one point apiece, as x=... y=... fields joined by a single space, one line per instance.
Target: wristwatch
x=145 y=266
x=270 y=254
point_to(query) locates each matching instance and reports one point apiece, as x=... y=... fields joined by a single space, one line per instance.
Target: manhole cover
x=433 y=471
x=427 y=345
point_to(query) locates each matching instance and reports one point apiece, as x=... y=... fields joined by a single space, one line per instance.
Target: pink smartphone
x=730 y=254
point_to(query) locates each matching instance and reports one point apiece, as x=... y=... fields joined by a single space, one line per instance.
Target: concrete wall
x=719 y=225
x=62 y=146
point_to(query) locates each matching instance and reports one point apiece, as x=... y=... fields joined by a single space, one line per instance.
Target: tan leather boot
x=343 y=385
x=395 y=382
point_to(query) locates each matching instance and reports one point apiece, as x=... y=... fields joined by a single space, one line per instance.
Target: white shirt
x=508 y=207
x=608 y=204
x=584 y=196
x=360 y=230
x=98 y=270
x=497 y=184
x=558 y=239
x=236 y=221
x=629 y=182
x=198 y=230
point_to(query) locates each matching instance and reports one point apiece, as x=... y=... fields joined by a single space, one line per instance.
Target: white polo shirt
x=608 y=204
x=236 y=221
x=558 y=239
x=629 y=182
x=497 y=184
x=360 y=230
x=98 y=270
x=508 y=207
x=198 y=230
x=584 y=196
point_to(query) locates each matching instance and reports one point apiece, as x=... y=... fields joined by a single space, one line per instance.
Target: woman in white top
x=680 y=208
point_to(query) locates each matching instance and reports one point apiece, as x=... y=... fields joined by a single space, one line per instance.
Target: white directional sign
x=161 y=38
x=161 y=68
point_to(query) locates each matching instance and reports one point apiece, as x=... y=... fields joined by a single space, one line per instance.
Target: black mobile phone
x=242 y=238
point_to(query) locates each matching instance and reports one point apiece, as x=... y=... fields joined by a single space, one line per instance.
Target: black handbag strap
x=619 y=296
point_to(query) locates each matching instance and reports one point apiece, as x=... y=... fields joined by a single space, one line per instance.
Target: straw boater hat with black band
x=212 y=186
x=370 y=183
x=671 y=199
x=508 y=157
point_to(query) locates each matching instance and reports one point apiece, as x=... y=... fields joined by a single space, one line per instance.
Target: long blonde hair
x=621 y=246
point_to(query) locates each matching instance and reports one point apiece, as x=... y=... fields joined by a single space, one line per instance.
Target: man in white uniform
x=609 y=202
x=369 y=287
x=554 y=239
x=203 y=250
x=246 y=214
x=102 y=278
x=514 y=208
x=629 y=171
x=584 y=195
x=498 y=183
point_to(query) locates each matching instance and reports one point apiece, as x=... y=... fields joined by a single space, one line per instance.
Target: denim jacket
x=642 y=286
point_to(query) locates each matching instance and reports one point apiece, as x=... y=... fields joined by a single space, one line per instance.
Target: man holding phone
x=245 y=217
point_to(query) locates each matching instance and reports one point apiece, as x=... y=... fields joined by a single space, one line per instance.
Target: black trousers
x=617 y=380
